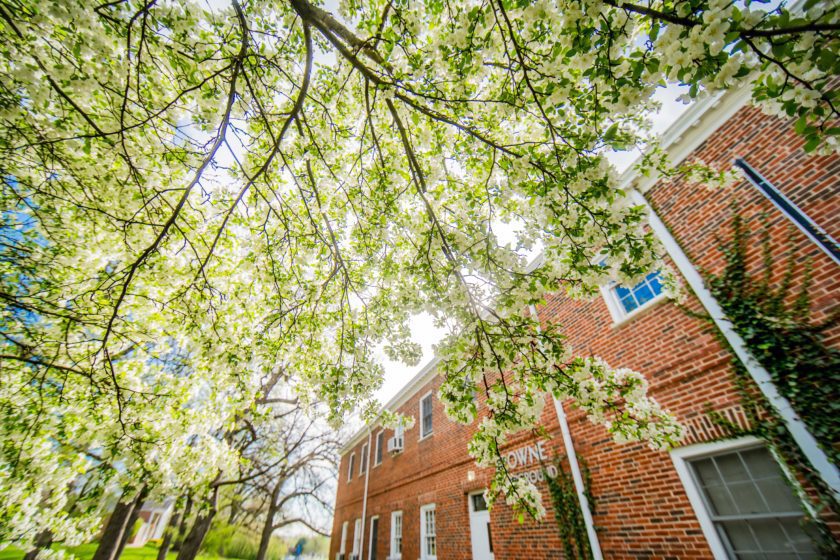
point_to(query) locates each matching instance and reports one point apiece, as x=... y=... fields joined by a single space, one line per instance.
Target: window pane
x=747 y=498
x=643 y=293
x=629 y=303
x=721 y=501
x=427 y=415
x=655 y=284
x=731 y=468
x=751 y=484
x=622 y=292
x=740 y=536
x=478 y=502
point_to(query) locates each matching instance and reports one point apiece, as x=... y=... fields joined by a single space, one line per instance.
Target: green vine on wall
x=567 y=509
x=778 y=330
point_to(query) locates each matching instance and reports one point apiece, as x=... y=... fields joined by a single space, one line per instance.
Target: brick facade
x=642 y=510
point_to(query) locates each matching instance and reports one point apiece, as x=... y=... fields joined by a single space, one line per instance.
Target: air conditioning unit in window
x=395 y=444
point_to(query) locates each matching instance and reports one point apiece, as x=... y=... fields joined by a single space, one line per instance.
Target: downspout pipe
x=365 y=496
x=577 y=477
x=804 y=439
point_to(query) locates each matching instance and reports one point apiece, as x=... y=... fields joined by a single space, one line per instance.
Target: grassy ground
x=85 y=552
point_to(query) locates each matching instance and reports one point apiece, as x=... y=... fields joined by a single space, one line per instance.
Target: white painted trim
x=420 y=416
x=417 y=382
x=617 y=312
x=690 y=130
x=804 y=439
x=394 y=514
x=358 y=537
x=371 y=542
x=594 y=543
x=423 y=510
x=365 y=495
x=351 y=463
x=680 y=458
x=363 y=464
x=580 y=489
x=379 y=450
x=343 y=548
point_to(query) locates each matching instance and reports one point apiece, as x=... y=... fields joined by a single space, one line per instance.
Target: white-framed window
x=364 y=459
x=396 y=535
x=357 y=540
x=428 y=533
x=380 y=444
x=744 y=501
x=624 y=302
x=343 y=549
x=351 y=464
x=426 y=415
x=373 y=537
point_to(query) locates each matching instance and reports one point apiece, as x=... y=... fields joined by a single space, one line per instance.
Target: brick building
x=417 y=495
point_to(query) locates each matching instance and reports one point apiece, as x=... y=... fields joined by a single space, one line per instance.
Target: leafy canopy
x=196 y=197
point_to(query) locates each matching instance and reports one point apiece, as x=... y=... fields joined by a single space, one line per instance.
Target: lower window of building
x=750 y=504
x=428 y=535
x=396 y=535
x=374 y=537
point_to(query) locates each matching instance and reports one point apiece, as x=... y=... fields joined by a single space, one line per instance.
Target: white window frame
x=350 y=464
x=371 y=542
x=357 y=538
x=432 y=404
x=396 y=554
x=379 y=453
x=423 y=510
x=363 y=462
x=683 y=455
x=617 y=312
x=343 y=549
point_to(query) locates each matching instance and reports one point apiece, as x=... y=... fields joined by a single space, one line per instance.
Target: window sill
x=427 y=436
x=639 y=311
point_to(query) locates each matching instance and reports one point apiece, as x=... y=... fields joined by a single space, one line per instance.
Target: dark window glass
x=374 y=537
x=427 y=415
x=752 y=505
x=380 y=440
x=478 y=502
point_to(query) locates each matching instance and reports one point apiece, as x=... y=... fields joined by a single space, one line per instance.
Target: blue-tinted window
x=635 y=297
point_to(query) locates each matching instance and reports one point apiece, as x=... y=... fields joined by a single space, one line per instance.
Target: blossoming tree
x=193 y=194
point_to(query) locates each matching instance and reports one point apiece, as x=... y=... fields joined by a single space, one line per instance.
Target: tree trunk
x=192 y=544
x=111 y=542
x=234 y=508
x=42 y=541
x=267 y=531
x=132 y=519
x=171 y=528
x=182 y=528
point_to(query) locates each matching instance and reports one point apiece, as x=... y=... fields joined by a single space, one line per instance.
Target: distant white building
x=155 y=518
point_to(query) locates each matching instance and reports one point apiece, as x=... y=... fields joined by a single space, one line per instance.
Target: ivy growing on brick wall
x=567 y=510
x=779 y=332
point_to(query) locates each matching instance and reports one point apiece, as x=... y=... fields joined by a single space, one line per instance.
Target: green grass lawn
x=85 y=552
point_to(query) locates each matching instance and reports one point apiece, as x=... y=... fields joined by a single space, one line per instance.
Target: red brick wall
x=641 y=508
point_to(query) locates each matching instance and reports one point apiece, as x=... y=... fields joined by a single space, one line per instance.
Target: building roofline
x=426 y=373
x=681 y=138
